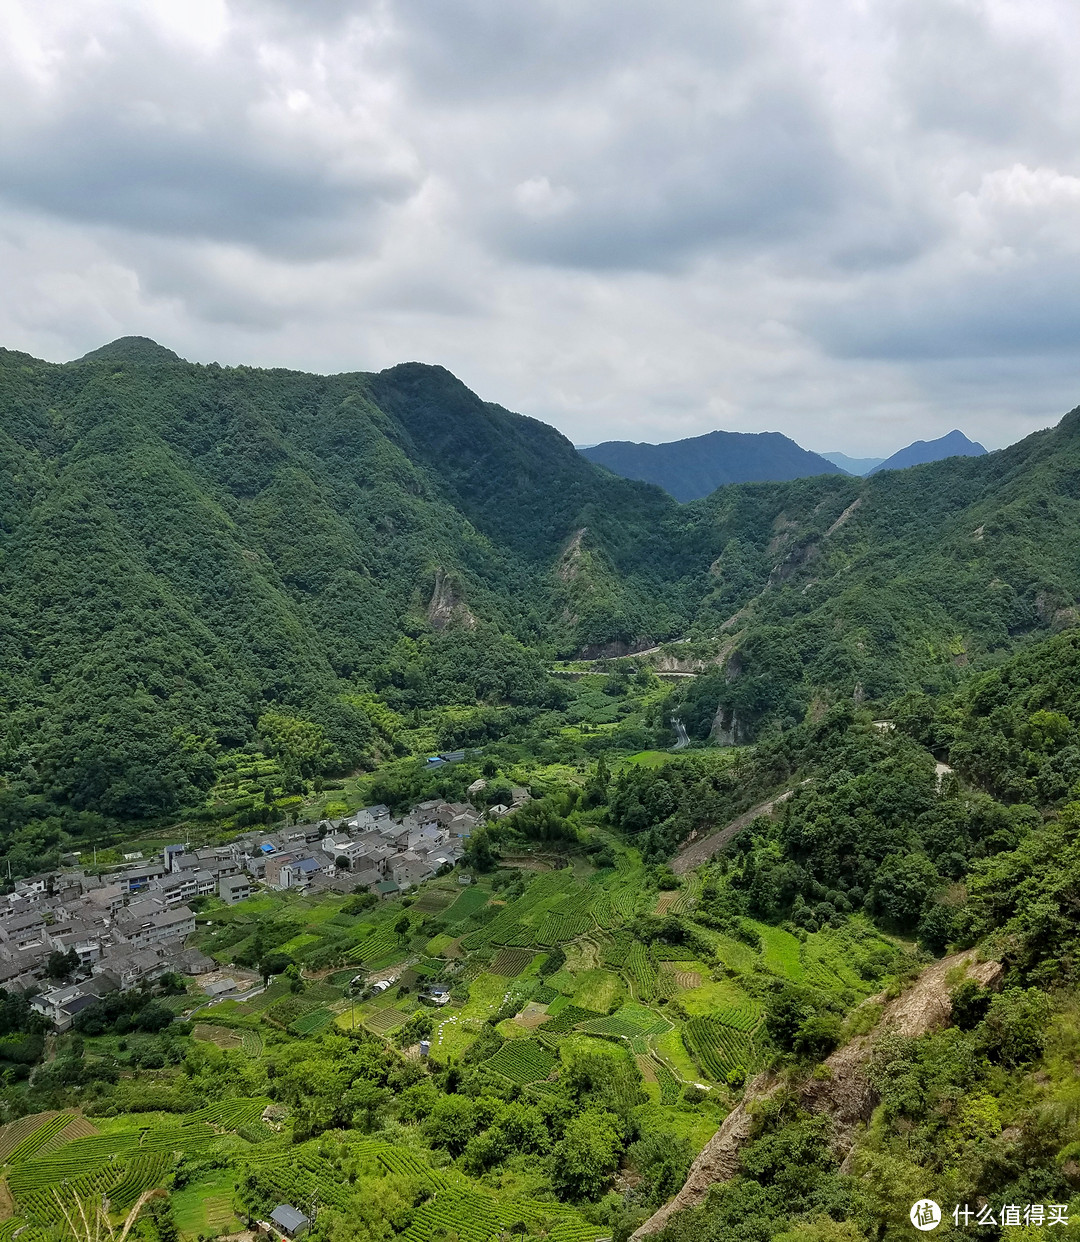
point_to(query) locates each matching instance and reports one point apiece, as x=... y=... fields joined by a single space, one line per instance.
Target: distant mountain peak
x=131 y=349
x=852 y=465
x=690 y=469
x=955 y=444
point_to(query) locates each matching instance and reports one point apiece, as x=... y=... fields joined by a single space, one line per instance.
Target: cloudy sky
x=853 y=221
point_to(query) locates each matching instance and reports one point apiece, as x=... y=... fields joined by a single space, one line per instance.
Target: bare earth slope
x=704 y=848
x=845 y=1093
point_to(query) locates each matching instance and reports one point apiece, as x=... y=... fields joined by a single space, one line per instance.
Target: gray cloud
x=137 y=133
x=855 y=224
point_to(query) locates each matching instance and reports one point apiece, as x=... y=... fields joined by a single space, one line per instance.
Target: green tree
x=59 y=965
x=587 y=1155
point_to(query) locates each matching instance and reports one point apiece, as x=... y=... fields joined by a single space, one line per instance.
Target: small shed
x=291 y=1221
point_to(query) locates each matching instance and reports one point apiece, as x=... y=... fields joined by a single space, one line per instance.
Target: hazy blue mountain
x=690 y=469
x=955 y=444
x=857 y=466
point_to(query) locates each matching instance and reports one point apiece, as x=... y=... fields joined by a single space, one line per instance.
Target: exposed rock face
x=613 y=650
x=728 y=729
x=844 y=517
x=570 y=562
x=446 y=606
x=844 y=1092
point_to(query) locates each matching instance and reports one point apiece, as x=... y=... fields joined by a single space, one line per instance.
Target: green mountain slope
x=185 y=546
x=841 y=587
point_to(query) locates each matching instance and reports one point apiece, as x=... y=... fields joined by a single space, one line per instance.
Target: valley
x=721 y=788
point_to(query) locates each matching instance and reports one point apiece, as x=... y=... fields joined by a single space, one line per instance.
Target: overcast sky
x=853 y=221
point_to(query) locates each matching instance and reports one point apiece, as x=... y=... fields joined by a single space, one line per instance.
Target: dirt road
x=698 y=852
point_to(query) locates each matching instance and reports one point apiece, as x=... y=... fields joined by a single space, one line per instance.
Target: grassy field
x=205 y=1207
x=648 y=759
x=597 y=989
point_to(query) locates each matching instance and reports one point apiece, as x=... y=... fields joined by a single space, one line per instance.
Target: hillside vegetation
x=230 y=596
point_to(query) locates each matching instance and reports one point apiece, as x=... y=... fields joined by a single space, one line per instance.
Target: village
x=69 y=937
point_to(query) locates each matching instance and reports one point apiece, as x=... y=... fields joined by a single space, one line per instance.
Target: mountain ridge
x=186 y=548
x=693 y=468
x=920 y=452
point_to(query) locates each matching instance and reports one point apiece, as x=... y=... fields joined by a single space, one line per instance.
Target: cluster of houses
x=131 y=924
x=118 y=937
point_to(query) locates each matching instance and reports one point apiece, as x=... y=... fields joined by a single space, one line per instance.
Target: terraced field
x=473 y=1217
x=511 y=962
x=522 y=1061
x=718 y=1048
x=678 y=1014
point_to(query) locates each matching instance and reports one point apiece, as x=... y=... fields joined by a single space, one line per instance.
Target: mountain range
x=693 y=468
x=853 y=465
x=690 y=469
x=185 y=549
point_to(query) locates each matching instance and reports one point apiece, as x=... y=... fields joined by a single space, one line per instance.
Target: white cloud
x=855 y=223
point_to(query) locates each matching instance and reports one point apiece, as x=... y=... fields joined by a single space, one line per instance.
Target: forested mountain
x=868 y=588
x=955 y=444
x=186 y=551
x=690 y=469
x=183 y=546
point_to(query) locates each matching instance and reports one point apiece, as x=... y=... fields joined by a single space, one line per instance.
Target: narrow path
x=699 y=852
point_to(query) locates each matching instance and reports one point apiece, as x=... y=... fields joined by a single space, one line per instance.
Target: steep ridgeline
x=690 y=469
x=185 y=547
x=838 y=587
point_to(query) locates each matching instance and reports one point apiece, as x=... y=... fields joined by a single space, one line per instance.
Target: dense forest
x=186 y=548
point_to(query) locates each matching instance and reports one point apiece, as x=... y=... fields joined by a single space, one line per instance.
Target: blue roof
x=287 y=1217
x=266 y=847
x=434 y=761
x=307 y=864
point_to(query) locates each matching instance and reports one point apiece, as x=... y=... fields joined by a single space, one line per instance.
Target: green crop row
x=670 y=1090
x=745 y=1016
x=299 y=1177
x=309 y=1023
x=522 y=1061
x=401 y=1161
x=673 y=953
x=604 y=912
x=616 y=953
x=472 y=1217
x=560 y=926
x=642 y=971
x=717 y=1048
x=567 y=1018
x=45 y=1204
x=143 y=1172
x=36 y=1139
x=228 y=1114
